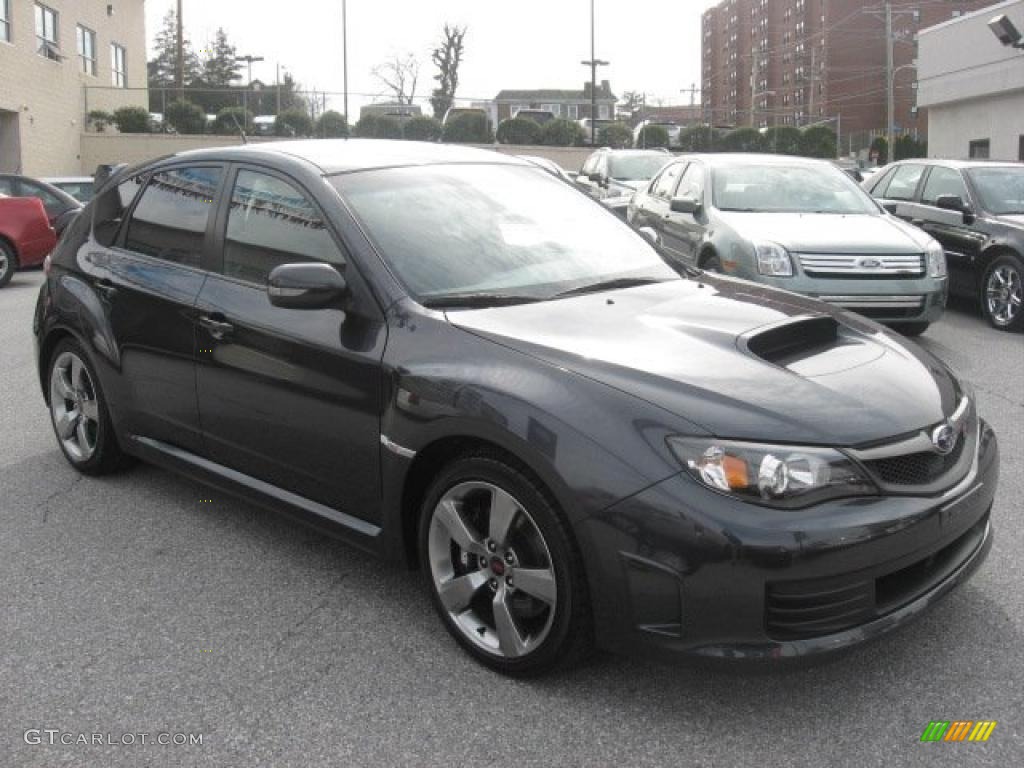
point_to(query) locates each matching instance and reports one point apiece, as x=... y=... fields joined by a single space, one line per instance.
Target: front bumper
x=681 y=570
x=910 y=300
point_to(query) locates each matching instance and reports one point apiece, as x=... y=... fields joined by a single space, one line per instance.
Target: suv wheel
x=8 y=263
x=1002 y=292
x=502 y=570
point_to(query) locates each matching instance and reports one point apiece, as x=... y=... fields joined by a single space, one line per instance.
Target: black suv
x=976 y=210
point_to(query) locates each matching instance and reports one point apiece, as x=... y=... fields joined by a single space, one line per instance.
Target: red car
x=26 y=236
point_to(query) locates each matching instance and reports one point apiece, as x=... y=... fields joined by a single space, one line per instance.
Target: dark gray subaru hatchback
x=453 y=359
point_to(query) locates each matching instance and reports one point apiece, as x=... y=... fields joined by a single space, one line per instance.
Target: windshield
x=636 y=167
x=789 y=189
x=1001 y=188
x=501 y=229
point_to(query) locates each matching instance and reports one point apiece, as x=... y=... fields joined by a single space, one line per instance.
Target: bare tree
x=399 y=75
x=447 y=56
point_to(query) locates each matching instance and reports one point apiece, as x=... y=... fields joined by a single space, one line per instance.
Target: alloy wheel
x=74 y=406
x=492 y=569
x=1004 y=294
x=5 y=264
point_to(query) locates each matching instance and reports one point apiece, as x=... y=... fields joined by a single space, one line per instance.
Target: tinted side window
x=879 y=182
x=170 y=219
x=904 y=182
x=943 y=181
x=667 y=180
x=51 y=202
x=272 y=223
x=109 y=209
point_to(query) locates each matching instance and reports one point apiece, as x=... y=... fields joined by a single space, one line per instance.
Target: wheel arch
x=707 y=250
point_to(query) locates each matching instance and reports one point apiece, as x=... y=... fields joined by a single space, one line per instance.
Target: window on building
x=5 y=20
x=86 y=39
x=603 y=112
x=117 y=71
x=1020 y=148
x=978 y=149
x=272 y=223
x=46 y=32
x=573 y=111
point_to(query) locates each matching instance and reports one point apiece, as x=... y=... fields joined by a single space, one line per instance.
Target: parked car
x=539 y=116
x=798 y=224
x=550 y=166
x=79 y=187
x=573 y=441
x=26 y=236
x=673 y=129
x=588 y=125
x=61 y=208
x=976 y=210
x=263 y=125
x=614 y=175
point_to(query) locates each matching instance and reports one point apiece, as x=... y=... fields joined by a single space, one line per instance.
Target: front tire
x=711 y=263
x=8 y=263
x=502 y=569
x=1002 y=293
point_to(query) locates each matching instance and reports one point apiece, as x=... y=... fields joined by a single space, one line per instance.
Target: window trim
x=114 y=71
x=916 y=194
x=5 y=22
x=972 y=143
x=928 y=176
x=83 y=33
x=51 y=47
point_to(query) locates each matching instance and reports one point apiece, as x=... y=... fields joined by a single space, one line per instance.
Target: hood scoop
x=788 y=343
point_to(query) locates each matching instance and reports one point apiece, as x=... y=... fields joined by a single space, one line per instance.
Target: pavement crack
x=45 y=503
x=1000 y=395
x=324 y=598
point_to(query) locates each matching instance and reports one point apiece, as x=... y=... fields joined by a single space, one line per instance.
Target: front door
x=684 y=231
x=961 y=243
x=291 y=397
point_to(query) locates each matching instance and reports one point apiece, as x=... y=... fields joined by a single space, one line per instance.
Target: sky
x=652 y=45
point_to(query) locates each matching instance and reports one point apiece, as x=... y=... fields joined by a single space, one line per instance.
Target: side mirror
x=649 y=233
x=951 y=203
x=685 y=205
x=305 y=286
x=595 y=177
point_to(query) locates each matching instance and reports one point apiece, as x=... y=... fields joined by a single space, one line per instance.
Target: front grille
x=861 y=265
x=916 y=468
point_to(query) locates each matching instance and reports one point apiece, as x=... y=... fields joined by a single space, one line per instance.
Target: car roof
x=332 y=156
x=67 y=179
x=722 y=159
x=961 y=164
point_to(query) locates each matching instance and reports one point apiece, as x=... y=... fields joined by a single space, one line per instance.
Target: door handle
x=106 y=288
x=215 y=324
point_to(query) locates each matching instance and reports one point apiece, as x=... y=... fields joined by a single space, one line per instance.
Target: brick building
x=798 y=62
x=50 y=53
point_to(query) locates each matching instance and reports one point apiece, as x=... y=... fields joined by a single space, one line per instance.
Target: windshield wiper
x=477 y=300
x=609 y=285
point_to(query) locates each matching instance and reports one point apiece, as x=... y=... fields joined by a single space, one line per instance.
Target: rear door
x=291 y=397
x=960 y=241
x=657 y=209
x=898 y=191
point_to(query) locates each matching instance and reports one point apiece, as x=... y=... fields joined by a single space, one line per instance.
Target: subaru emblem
x=944 y=438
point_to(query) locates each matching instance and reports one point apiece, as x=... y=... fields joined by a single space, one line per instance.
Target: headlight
x=773 y=259
x=936 y=259
x=773 y=475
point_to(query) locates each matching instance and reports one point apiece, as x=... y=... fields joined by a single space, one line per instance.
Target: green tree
x=163 y=67
x=818 y=141
x=293 y=122
x=562 y=133
x=743 y=140
x=519 y=130
x=783 y=140
x=615 y=135
x=423 y=128
x=468 y=128
x=700 y=138
x=388 y=127
x=652 y=136
x=221 y=67
x=880 y=147
x=447 y=57
x=100 y=119
x=332 y=125
x=229 y=119
x=131 y=120
x=185 y=117
x=907 y=147
x=366 y=128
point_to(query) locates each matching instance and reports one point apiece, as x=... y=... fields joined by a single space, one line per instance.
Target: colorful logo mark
x=958 y=730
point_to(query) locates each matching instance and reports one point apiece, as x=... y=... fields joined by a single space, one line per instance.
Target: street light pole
x=344 y=52
x=594 y=63
x=248 y=59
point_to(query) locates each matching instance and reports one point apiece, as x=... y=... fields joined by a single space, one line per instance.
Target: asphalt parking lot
x=131 y=604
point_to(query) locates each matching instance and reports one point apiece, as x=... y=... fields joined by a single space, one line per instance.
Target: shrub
x=615 y=135
x=131 y=120
x=366 y=127
x=652 y=136
x=700 y=138
x=293 y=122
x=783 y=140
x=519 y=130
x=388 y=127
x=562 y=133
x=332 y=125
x=907 y=147
x=99 y=120
x=468 y=128
x=423 y=128
x=743 y=140
x=880 y=147
x=225 y=122
x=818 y=141
x=185 y=117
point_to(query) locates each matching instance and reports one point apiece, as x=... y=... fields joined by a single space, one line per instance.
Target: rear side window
x=667 y=181
x=692 y=184
x=904 y=183
x=170 y=219
x=109 y=209
x=943 y=181
x=271 y=223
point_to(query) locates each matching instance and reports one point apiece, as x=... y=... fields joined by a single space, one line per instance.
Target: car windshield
x=636 y=167
x=1001 y=188
x=493 y=229
x=787 y=188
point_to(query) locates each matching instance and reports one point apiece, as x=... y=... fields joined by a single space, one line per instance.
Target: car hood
x=829 y=233
x=682 y=345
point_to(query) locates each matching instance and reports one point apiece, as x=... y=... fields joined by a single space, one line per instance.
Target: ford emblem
x=869 y=263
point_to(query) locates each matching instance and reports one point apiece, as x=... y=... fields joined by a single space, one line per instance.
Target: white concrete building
x=973 y=86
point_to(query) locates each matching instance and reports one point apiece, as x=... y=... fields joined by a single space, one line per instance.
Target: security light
x=1004 y=29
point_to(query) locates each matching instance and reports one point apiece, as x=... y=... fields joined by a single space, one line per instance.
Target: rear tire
x=8 y=263
x=502 y=568
x=911 y=329
x=1002 y=293
x=711 y=263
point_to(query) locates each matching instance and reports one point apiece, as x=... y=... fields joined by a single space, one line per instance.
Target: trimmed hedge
x=562 y=133
x=132 y=120
x=332 y=125
x=185 y=117
x=293 y=122
x=423 y=128
x=225 y=122
x=615 y=135
x=468 y=128
x=653 y=136
x=519 y=130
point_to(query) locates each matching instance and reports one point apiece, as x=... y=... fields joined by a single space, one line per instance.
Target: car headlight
x=936 y=259
x=773 y=259
x=773 y=475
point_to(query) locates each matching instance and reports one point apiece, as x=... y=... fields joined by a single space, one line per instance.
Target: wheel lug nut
x=508 y=581
x=493 y=583
x=510 y=558
x=483 y=562
x=491 y=546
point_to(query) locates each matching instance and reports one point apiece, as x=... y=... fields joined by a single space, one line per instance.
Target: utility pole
x=692 y=90
x=594 y=63
x=179 y=76
x=344 y=53
x=248 y=59
x=890 y=100
x=277 y=88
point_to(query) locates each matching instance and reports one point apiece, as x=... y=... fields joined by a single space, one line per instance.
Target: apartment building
x=58 y=60
x=799 y=62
